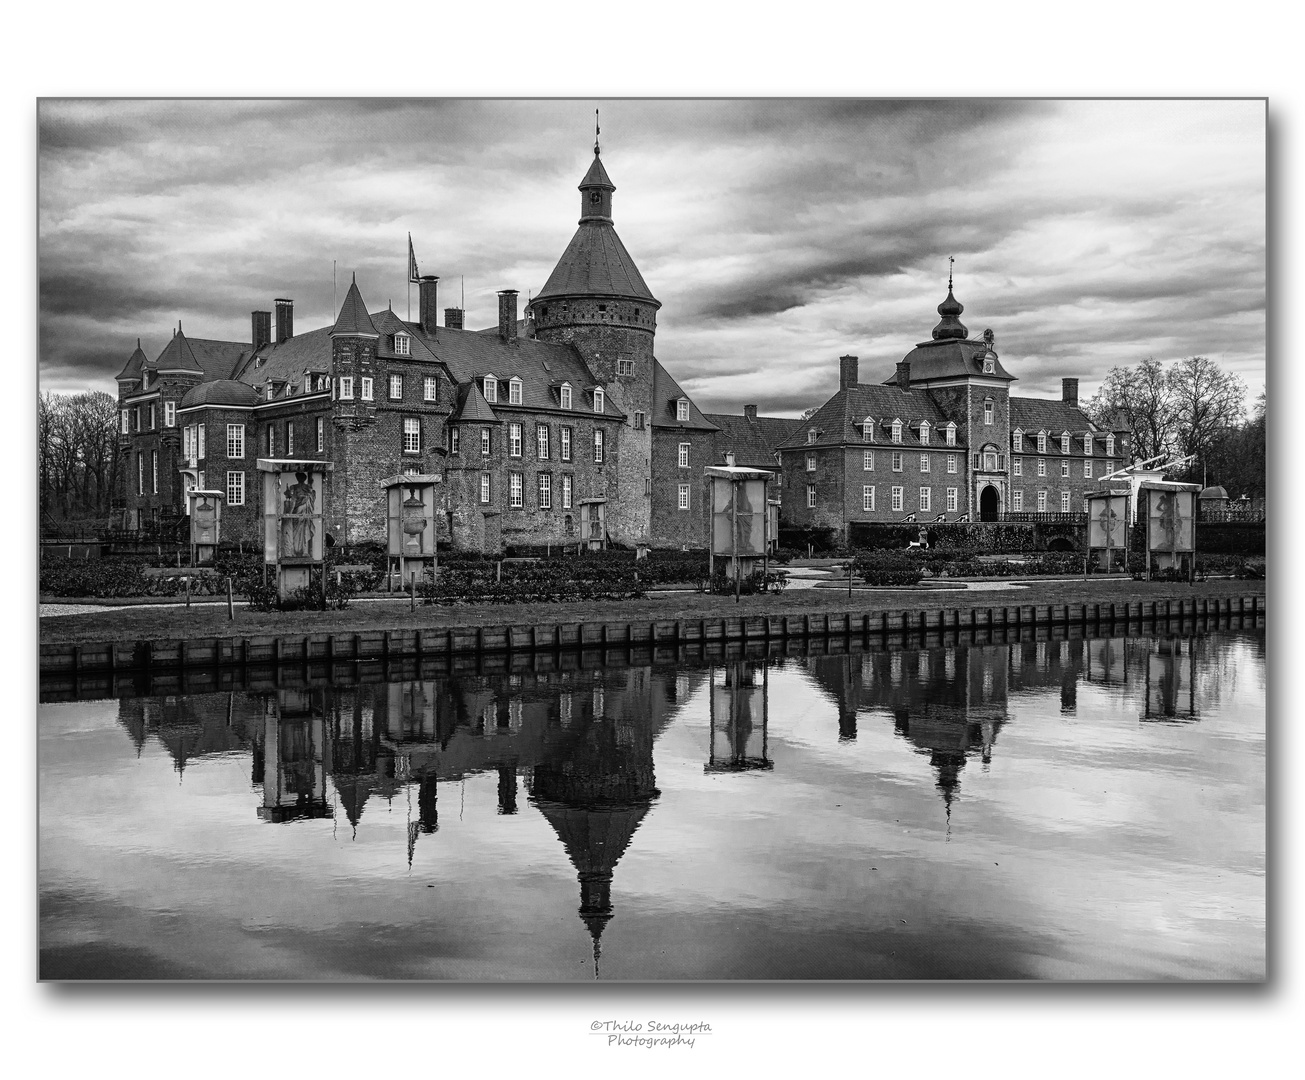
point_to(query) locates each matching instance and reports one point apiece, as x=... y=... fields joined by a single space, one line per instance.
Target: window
x=684 y=455
x=542 y=449
x=514 y=440
x=868 y=431
x=682 y=410
x=1087 y=444
x=289 y=439
x=402 y=347
x=235 y=489
x=868 y=498
x=897 y=461
x=411 y=435
x=321 y=435
x=926 y=498
x=625 y=367
x=1110 y=467
x=1085 y=506
x=598 y=447
x=924 y=462
x=140 y=473
x=811 y=495
x=951 y=463
x=1017 y=502
x=566 y=491
x=1064 y=502
x=565 y=395
x=1087 y=470
x=235 y=440
x=1042 y=502
x=367 y=393
x=812 y=435
x=951 y=434
x=187 y=440
x=1018 y=441
x=346 y=387
x=683 y=496
x=484 y=488
x=924 y=431
x=169 y=414
x=1042 y=466
x=638 y=420
x=1017 y=466
x=987 y=410
x=151 y=415
x=514 y=490
x=897 y=499
x=484 y=442
x=1110 y=446
x=136 y=417
x=396 y=387
x=545 y=491
x=566 y=444
x=1042 y=442
x=600 y=400
x=952 y=499
x=154 y=471
x=1064 y=467
x=491 y=388
x=126 y=421
x=811 y=463
x=897 y=431
x=455 y=440
x=868 y=460
x=514 y=391
x=271 y=440
x=1064 y=444
x=430 y=388
x=203 y=430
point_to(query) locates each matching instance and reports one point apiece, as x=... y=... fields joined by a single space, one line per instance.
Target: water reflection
x=579 y=746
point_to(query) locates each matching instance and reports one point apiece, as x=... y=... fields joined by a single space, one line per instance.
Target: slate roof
x=595 y=263
x=1032 y=415
x=288 y=361
x=472 y=406
x=839 y=419
x=666 y=392
x=177 y=355
x=353 y=317
x=220 y=392
x=135 y=362
x=948 y=358
x=754 y=440
x=597 y=176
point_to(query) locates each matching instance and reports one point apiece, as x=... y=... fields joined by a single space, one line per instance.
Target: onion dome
x=950 y=326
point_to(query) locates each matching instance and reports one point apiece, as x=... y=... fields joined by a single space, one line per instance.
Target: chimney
x=453 y=318
x=507 y=314
x=1069 y=392
x=428 y=311
x=750 y=411
x=904 y=376
x=285 y=320
x=846 y=372
x=261 y=333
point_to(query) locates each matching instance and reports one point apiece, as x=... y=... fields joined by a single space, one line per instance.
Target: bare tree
x=78 y=456
x=1208 y=403
x=1143 y=398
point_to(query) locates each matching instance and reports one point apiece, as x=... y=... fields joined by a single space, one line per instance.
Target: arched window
x=988 y=408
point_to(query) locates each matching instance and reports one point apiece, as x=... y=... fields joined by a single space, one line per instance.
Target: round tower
x=597 y=301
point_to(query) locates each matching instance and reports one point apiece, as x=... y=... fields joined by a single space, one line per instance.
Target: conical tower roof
x=179 y=356
x=135 y=363
x=353 y=318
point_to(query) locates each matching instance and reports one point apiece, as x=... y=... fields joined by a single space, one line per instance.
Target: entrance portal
x=989 y=504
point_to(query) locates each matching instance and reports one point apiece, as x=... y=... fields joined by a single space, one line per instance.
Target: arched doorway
x=989 y=504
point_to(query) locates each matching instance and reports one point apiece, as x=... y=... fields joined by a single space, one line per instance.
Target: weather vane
x=597 y=129
x=951 y=259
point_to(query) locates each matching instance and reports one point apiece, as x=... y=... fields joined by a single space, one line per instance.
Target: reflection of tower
x=738 y=717
x=594 y=785
x=359 y=762
x=294 y=756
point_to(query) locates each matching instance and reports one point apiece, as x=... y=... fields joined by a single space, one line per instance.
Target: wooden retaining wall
x=213 y=652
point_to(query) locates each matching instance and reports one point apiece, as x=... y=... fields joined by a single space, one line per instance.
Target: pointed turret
x=353 y=320
x=179 y=357
x=131 y=371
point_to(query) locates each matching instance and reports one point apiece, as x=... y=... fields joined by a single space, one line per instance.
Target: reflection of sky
x=1094 y=845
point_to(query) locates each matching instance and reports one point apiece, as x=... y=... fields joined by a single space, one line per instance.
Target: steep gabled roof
x=472 y=406
x=353 y=317
x=839 y=419
x=1036 y=414
x=666 y=392
x=753 y=440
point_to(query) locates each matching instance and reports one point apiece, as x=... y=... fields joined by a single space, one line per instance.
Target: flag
x=412 y=261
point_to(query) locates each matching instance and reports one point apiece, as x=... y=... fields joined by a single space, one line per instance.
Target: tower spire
x=597 y=129
x=951 y=261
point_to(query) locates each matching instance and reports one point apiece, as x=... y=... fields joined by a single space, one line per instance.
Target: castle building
x=943 y=439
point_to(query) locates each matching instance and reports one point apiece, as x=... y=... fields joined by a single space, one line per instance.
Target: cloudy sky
x=777 y=235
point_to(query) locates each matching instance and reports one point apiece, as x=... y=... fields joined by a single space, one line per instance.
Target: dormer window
x=565 y=395
x=1042 y=442
x=402 y=345
x=1110 y=446
x=868 y=430
x=897 y=431
x=1064 y=443
x=1019 y=441
x=514 y=391
x=682 y=410
x=1087 y=444
x=951 y=434
x=924 y=431
x=491 y=388
x=600 y=400
x=989 y=362
x=812 y=435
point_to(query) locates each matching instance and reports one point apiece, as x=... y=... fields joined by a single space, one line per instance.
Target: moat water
x=1055 y=809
